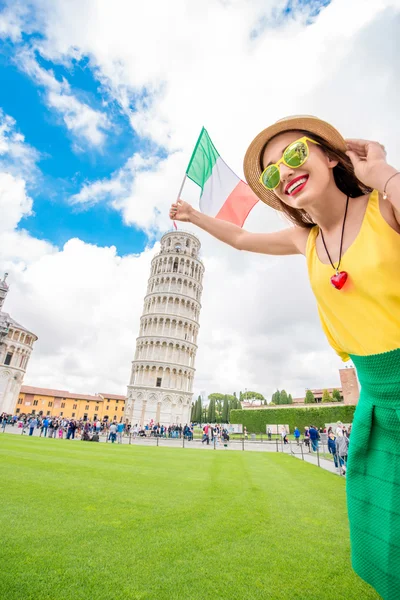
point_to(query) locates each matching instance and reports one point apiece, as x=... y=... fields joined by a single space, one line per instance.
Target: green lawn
x=118 y=522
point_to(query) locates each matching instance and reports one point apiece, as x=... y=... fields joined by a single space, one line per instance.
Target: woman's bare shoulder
x=300 y=237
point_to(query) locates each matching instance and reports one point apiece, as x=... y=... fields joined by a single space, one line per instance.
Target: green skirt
x=373 y=474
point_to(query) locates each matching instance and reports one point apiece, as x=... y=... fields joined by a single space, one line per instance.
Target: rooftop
x=112 y=396
x=3 y=284
x=38 y=391
x=5 y=318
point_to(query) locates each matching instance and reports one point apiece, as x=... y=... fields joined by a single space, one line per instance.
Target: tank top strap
x=312 y=236
x=373 y=212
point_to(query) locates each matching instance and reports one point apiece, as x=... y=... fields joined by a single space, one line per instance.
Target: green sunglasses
x=294 y=156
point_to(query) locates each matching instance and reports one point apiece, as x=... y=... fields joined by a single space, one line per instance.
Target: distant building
x=349 y=392
x=16 y=345
x=61 y=403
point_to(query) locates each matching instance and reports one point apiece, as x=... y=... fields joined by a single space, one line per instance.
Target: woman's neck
x=329 y=213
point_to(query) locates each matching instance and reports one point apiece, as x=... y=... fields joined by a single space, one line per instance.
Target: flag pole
x=179 y=195
x=181 y=188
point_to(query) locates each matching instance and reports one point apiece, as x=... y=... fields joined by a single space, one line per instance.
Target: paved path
x=247 y=445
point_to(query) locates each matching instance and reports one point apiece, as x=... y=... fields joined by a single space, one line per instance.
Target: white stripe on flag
x=218 y=188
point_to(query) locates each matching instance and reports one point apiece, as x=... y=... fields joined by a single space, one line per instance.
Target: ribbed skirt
x=373 y=474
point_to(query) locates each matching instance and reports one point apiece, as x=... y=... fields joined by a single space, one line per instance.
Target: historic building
x=61 y=403
x=161 y=382
x=16 y=344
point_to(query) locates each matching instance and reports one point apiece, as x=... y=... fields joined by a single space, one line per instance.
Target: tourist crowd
x=214 y=433
x=53 y=427
x=57 y=427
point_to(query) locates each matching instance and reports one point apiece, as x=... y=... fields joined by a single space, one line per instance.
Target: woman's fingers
x=355 y=159
x=366 y=148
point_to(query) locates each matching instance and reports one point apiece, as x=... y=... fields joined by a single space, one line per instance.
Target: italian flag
x=223 y=194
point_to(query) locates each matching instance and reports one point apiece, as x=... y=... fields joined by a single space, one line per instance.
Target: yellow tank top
x=363 y=318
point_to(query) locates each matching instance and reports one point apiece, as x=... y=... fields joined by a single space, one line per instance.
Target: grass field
x=112 y=522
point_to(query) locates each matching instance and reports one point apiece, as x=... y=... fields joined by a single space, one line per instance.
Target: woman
x=343 y=200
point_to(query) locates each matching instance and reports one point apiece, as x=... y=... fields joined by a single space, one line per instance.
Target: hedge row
x=256 y=421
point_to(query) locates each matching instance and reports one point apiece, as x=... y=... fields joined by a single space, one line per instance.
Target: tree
x=225 y=410
x=336 y=397
x=218 y=404
x=284 y=397
x=199 y=411
x=252 y=397
x=193 y=411
x=276 y=397
x=211 y=411
x=290 y=399
x=326 y=397
x=310 y=398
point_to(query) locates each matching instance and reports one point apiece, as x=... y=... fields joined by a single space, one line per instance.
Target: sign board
x=233 y=428
x=277 y=429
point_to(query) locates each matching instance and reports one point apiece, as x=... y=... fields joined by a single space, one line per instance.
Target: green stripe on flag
x=203 y=159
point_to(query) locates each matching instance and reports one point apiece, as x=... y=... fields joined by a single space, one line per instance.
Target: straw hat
x=252 y=159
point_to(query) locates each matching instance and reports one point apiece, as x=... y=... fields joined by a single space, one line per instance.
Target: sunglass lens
x=271 y=177
x=296 y=154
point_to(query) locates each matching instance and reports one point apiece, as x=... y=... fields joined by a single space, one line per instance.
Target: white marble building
x=16 y=344
x=161 y=383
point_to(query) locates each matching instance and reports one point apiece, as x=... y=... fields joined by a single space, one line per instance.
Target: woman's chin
x=299 y=201
x=302 y=200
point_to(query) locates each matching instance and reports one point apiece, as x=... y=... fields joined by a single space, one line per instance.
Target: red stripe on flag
x=237 y=206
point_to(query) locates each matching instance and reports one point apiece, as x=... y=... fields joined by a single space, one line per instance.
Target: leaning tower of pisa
x=161 y=383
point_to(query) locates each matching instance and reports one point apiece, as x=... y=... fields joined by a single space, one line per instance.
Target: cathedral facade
x=16 y=345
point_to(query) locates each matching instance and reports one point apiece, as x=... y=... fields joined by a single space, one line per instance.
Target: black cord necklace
x=339 y=279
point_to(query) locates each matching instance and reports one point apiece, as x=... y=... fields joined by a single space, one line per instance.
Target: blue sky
x=64 y=169
x=66 y=163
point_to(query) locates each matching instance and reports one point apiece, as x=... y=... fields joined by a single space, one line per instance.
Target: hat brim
x=252 y=160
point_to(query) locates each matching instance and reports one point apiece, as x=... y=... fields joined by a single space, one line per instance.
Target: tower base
x=160 y=405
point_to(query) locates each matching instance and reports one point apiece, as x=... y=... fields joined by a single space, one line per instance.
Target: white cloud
x=184 y=65
x=12 y=20
x=87 y=124
x=14 y=202
x=16 y=156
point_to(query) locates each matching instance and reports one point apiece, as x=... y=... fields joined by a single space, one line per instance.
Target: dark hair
x=343 y=174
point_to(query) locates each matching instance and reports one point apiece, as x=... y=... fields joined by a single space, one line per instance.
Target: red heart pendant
x=339 y=280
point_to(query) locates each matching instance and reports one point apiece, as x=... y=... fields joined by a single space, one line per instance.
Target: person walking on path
x=45 y=426
x=297 y=435
x=313 y=432
x=343 y=201
x=342 y=442
x=120 y=431
x=113 y=432
x=32 y=424
x=333 y=449
x=71 y=430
